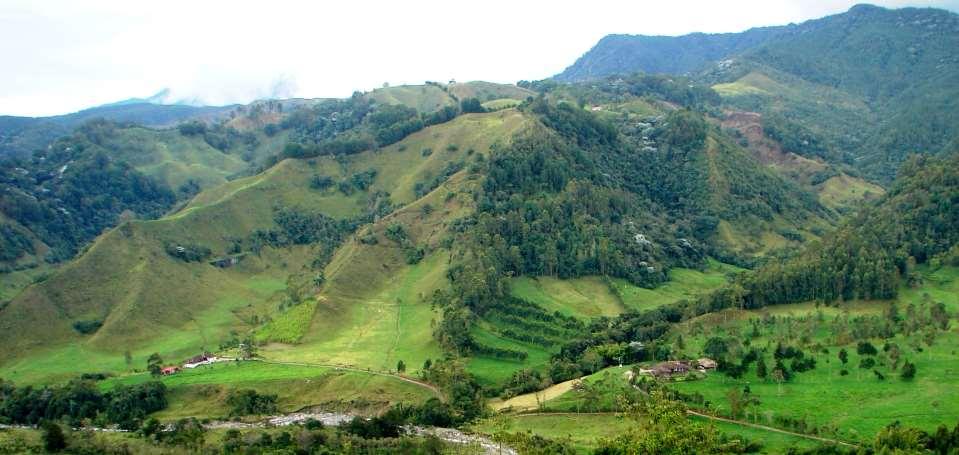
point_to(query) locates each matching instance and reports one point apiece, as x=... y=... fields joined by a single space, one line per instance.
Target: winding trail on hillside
x=708 y=417
x=432 y=388
x=528 y=401
x=768 y=428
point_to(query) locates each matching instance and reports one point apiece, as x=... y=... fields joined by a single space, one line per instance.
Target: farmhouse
x=166 y=371
x=670 y=368
x=202 y=359
x=706 y=364
x=228 y=261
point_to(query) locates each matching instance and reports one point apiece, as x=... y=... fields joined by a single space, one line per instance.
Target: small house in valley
x=706 y=364
x=670 y=368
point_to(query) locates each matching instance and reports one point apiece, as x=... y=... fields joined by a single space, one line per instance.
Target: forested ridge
x=873 y=253
x=578 y=196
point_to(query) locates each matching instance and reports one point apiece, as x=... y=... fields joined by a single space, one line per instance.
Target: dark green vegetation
x=863 y=88
x=80 y=402
x=188 y=436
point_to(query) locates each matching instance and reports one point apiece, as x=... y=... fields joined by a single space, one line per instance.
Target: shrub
x=247 y=401
x=87 y=327
x=53 y=439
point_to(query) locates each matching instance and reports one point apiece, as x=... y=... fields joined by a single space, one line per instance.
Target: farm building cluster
x=672 y=368
x=193 y=362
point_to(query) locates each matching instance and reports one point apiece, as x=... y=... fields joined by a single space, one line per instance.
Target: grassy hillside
x=590 y=297
x=852 y=406
x=147 y=300
x=423 y=98
x=202 y=392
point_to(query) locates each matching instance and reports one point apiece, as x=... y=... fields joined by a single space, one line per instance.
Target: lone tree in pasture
x=155 y=364
x=843 y=357
x=53 y=438
x=400 y=367
x=908 y=371
x=779 y=375
x=761 y=370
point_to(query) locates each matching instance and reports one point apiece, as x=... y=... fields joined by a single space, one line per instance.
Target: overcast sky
x=60 y=56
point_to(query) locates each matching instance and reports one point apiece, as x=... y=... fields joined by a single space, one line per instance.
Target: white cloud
x=61 y=56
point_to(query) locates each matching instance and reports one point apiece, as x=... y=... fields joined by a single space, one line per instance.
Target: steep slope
x=898 y=66
x=140 y=293
x=864 y=88
x=626 y=54
x=878 y=250
x=106 y=172
x=691 y=165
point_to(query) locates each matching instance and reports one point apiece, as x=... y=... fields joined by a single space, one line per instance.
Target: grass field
x=201 y=392
x=855 y=406
x=492 y=370
x=585 y=431
x=392 y=324
x=845 y=191
x=589 y=297
x=580 y=297
x=423 y=98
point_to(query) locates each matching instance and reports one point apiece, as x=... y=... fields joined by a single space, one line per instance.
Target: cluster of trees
x=464 y=395
x=423 y=188
x=397 y=233
x=297 y=227
x=359 y=181
x=873 y=253
x=796 y=138
x=70 y=193
x=662 y=426
x=247 y=401
x=81 y=401
x=188 y=252
x=218 y=136
x=345 y=127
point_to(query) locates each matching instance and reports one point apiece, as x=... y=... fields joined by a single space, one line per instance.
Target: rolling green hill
x=125 y=269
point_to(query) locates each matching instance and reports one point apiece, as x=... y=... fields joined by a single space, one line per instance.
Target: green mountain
x=375 y=192
x=864 y=87
x=21 y=136
x=679 y=55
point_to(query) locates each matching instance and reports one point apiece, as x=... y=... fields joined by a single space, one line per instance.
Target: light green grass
x=772 y=442
x=583 y=431
x=377 y=331
x=858 y=405
x=201 y=392
x=843 y=191
x=491 y=370
x=502 y=103
x=683 y=284
x=423 y=98
x=580 y=297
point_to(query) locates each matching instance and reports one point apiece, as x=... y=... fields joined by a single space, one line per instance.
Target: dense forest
x=868 y=86
x=70 y=193
x=915 y=223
